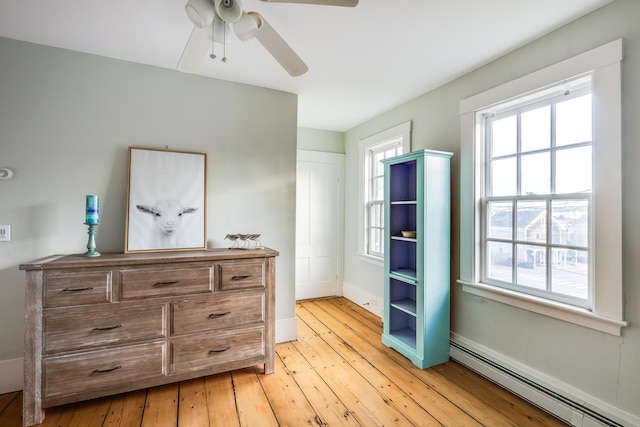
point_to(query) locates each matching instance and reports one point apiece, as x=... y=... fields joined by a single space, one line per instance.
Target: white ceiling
x=362 y=61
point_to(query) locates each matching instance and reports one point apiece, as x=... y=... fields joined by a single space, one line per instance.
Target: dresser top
x=120 y=259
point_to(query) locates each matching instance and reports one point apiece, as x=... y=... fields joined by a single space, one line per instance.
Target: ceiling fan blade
x=345 y=3
x=278 y=48
x=195 y=50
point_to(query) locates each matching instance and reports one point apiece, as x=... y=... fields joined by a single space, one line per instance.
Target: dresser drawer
x=101 y=369
x=85 y=327
x=215 y=349
x=241 y=274
x=153 y=282
x=75 y=288
x=216 y=312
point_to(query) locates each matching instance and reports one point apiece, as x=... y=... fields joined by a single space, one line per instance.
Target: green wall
x=66 y=122
x=592 y=363
x=320 y=140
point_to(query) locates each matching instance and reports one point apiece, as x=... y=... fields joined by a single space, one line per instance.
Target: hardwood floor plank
x=161 y=408
x=521 y=411
x=192 y=406
x=53 y=416
x=365 y=356
x=253 y=406
x=330 y=409
x=7 y=398
x=11 y=412
x=86 y=414
x=287 y=400
x=360 y=314
x=221 y=401
x=368 y=405
x=126 y=409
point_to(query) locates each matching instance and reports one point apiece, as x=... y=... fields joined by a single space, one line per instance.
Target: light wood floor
x=337 y=373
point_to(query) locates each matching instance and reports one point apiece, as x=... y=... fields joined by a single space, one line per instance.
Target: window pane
x=573 y=121
x=536 y=129
x=500 y=220
x=504 y=136
x=377 y=168
x=570 y=224
x=375 y=215
x=535 y=174
x=499 y=261
x=569 y=272
x=377 y=188
x=531 y=270
x=375 y=241
x=531 y=220
x=573 y=170
x=504 y=177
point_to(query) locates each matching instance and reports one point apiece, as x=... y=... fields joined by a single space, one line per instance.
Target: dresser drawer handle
x=106 y=371
x=77 y=289
x=222 y=350
x=107 y=328
x=242 y=277
x=216 y=315
x=168 y=283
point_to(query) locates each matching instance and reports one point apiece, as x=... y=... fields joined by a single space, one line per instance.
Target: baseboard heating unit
x=576 y=411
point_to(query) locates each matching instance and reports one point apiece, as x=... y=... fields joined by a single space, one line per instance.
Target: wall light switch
x=5 y=233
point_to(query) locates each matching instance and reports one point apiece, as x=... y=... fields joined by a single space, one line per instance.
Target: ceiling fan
x=211 y=18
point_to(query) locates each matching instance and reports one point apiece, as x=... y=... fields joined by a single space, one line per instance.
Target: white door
x=318 y=224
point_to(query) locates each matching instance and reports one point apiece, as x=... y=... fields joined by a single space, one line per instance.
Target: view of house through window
x=537 y=193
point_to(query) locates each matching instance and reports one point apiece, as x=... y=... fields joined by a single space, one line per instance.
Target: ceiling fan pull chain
x=213 y=43
x=224 y=42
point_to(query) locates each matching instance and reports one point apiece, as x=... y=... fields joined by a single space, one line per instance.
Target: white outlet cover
x=5 y=233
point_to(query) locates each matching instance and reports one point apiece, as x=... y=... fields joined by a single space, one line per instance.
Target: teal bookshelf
x=417 y=267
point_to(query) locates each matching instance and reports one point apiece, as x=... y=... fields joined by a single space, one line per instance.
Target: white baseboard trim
x=286 y=330
x=364 y=299
x=11 y=375
x=571 y=405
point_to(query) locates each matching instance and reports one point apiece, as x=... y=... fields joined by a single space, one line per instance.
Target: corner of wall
x=364 y=299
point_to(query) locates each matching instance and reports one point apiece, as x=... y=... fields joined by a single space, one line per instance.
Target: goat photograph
x=166 y=201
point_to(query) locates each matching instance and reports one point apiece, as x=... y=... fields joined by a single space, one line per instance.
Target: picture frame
x=166 y=201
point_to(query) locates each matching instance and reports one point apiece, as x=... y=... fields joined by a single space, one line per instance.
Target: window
x=390 y=143
x=537 y=163
x=541 y=191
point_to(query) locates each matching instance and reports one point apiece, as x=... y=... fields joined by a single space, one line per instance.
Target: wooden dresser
x=120 y=322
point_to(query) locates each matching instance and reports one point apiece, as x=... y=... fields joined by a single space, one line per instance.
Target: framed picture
x=166 y=201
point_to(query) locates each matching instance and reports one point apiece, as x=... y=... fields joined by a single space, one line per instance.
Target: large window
x=540 y=207
x=536 y=199
x=390 y=143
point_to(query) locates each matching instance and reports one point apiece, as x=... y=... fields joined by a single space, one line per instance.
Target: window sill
x=372 y=259
x=567 y=313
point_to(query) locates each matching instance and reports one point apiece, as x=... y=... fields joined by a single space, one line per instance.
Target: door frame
x=337 y=159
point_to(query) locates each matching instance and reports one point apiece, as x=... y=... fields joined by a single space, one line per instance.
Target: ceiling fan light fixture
x=247 y=26
x=200 y=12
x=228 y=10
x=216 y=33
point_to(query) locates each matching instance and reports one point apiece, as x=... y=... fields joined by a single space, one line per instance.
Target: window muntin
x=388 y=143
x=375 y=203
x=537 y=197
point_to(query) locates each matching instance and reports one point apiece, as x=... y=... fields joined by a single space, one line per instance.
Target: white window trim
x=402 y=130
x=607 y=313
